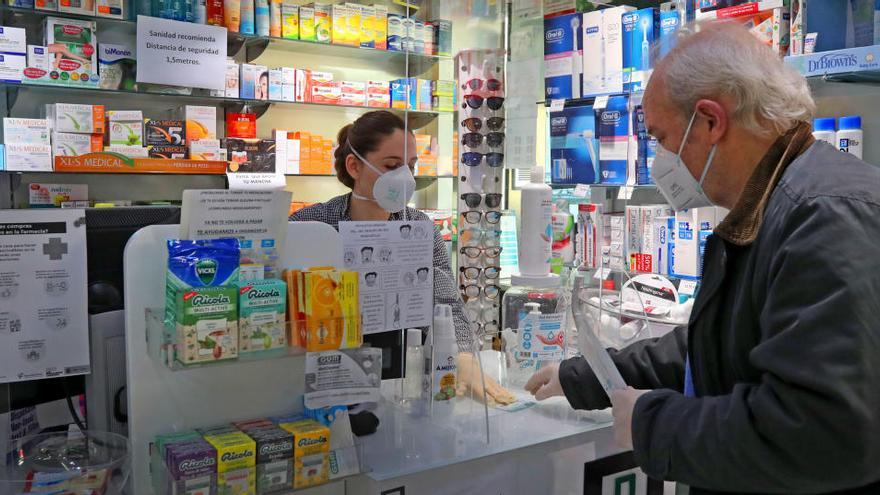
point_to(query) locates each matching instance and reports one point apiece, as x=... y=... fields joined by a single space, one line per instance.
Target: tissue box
x=262 y=313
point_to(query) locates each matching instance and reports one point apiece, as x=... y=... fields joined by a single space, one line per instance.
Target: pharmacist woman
x=375 y=157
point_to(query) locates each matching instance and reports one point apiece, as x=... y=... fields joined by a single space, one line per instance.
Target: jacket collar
x=742 y=224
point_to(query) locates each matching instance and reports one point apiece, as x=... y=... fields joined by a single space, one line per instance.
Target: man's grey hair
x=723 y=58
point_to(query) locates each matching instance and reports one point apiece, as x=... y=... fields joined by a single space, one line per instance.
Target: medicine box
x=38 y=57
x=612 y=40
x=417 y=38
x=613 y=124
x=424 y=98
x=205 y=149
x=49 y=5
x=274 y=448
x=52 y=195
x=369 y=26
x=80 y=39
x=327 y=94
x=594 y=68
x=71 y=117
x=167 y=152
x=331 y=323
x=248 y=81
x=353 y=93
x=126 y=127
x=12 y=67
x=573 y=147
x=640 y=29
x=307 y=27
x=688 y=224
x=563 y=45
x=206 y=323
x=233 y=73
x=323 y=32
x=17 y=130
x=13 y=40
x=289 y=20
x=28 y=157
x=378 y=95
x=165 y=132
x=275 y=84
x=311 y=453
x=262 y=310
x=288 y=84
x=339 y=14
x=69 y=144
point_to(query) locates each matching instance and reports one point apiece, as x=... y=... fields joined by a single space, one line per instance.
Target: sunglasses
x=474 y=139
x=475 y=84
x=473 y=291
x=474 y=124
x=476 y=101
x=474 y=216
x=481 y=311
x=477 y=237
x=493 y=200
x=474 y=159
x=474 y=272
x=473 y=252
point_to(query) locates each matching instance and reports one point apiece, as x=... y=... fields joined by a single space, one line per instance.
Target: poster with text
x=43 y=321
x=396 y=267
x=181 y=53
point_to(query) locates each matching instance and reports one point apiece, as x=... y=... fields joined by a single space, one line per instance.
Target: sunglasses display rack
x=481 y=170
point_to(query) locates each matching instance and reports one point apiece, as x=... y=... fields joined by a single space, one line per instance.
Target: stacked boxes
x=192 y=466
x=13 y=58
x=690 y=226
x=640 y=231
x=27 y=145
x=443 y=93
x=76 y=129
x=311 y=453
x=236 y=461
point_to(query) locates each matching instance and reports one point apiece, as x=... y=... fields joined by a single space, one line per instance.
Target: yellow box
x=380 y=26
x=331 y=310
x=311 y=453
x=353 y=24
x=236 y=462
x=339 y=20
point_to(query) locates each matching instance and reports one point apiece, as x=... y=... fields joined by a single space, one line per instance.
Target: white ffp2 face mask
x=393 y=189
x=681 y=190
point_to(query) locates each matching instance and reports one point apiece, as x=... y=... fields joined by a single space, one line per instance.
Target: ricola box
x=192 y=467
x=206 y=323
x=262 y=310
x=236 y=462
x=274 y=458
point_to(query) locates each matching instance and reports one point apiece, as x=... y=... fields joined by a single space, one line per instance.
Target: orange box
x=317 y=155
x=305 y=151
x=328 y=156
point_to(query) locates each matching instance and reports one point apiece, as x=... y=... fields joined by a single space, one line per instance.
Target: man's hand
x=622 y=403
x=545 y=383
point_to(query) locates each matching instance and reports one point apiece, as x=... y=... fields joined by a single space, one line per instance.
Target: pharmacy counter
x=539 y=449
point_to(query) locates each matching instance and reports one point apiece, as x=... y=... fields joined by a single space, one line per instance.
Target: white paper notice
x=343 y=378
x=181 y=53
x=396 y=265
x=43 y=322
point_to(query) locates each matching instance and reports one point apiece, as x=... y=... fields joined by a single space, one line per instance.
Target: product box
x=293 y=159
x=378 y=95
x=233 y=73
x=305 y=153
x=331 y=322
x=288 y=84
x=613 y=125
x=165 y=132
x=573 y=146
x=648 y=260
x=241 y=125
x=236 y=462
x=688 y=224
x=113 y=9
x=275 y=84
x=339 y=14
x=396 y=33
x=797 y=30
x=217 y=430
x=262 y=311
x=594 y=46
x=205 y=149
x=418 y=37
x=274 y=457
x=128 y=151
x=428 y=34
x=192 y=466
x=289 y=20
x=612 y=41
x=82 y=7
x=167 y=152
x=28 y=157
x=670 y=22
x=201 y=122
x=443 y=104
x=632 y=236
x=307 y=27
x=318 y=78
x=327 y=94
x=353 y=93
x=117 y=66
x=424 y=99
x=12 y=67
x=408 y=28
x=70 y=117
x=563 y=45
x=251 y=155
x=323 y=29
x=303 y=89
x=49 y=5
x=206 y=320
x=38 y=57
x=80 y=39
x=368 y=26
x=69 y=144
x=52 y=195
x=404 y=93
x=380 y=26
x=248 y=81
x=253 y=424
x=163 y=440
x=590 y=235
x=443 y=88
x=311 y=453
x=640 y=130
x=13 y=40
x=640 y=30
x=663 y=241
x=17 y=130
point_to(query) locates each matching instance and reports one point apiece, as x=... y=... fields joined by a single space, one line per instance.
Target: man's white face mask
x=393 y=189
x=681 y=190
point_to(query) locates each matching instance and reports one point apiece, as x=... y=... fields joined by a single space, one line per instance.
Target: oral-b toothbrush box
x=573 y=145
x=663 y=227
x=612 y=122
x=594 y=68
x=612 y=41
x=670 y=22
x=640 y=29
x=643 y=175
x=563 y=55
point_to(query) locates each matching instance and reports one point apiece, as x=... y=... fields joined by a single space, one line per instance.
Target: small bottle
x=445 y=354
x=415 y=365
x=849 y=137
x=823 y=130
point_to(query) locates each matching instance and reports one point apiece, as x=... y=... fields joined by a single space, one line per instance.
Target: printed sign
x=112 y=163
x=342 y=378
x=181 y=53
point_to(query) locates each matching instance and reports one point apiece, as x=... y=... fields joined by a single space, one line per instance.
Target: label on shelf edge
x=557 y=105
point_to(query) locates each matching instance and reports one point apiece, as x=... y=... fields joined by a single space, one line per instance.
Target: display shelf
x=589 y=100
x=604 y=186
x=859 y=65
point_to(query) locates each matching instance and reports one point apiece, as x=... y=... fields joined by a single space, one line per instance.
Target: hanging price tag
x=581 y=191
x=557 y=105
x=601 y=102
x=625 y=192
x=687 y=287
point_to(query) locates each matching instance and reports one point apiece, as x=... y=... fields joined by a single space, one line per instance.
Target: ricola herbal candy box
x=192 y=467
x=262 y=313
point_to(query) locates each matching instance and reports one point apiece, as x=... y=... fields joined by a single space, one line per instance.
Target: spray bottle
x=445 y=354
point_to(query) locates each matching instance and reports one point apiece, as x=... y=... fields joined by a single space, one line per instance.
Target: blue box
x=563 y=56
x=2 y=157
x=613 y=127
x=404 y=94
x=573 y=147
x=670 y=22
x=639 y=31
x=643 y=175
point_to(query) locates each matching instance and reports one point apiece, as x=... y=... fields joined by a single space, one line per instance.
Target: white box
x=633 y=238
x=72 y=117
x=130 y=151
x=13 y=40
x=612 y=41
x=26 y=131
x=248 y=81
x=52 y=195
x=280 y=137
x=593 y=68
x=662 y=241
x=288 y=84
x=28 y=157
x=72 y=144
x=293 y=157
x=275 y=84
x=38 y=57
x=126 y=127
x=232 y=84
x=647 y=260
x=688 y=224
x=12 y=67
x=205 y=149
x=302 y=92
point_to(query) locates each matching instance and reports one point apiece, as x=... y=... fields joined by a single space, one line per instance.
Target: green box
x=262 y=314
x=205 y=321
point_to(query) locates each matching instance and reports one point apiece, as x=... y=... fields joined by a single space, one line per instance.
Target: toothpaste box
x=28 y=157
x=13 y=40
x=563 y=53
x=274 y=458
x=262 y=310
x=640 y=29
x=236 y=462
x=17 y=130
x=206 y=323
x=663 y=242
x=69 y=144
x=38 y=57
x=613 y=126
x=573 y=145
x=670 y=22
x=192 y=467
x=126 y=127
x=289 y=20
x=275 y=84
x=590 y=235
x=353 y=93
x=648 y=258
x=688 y=224
x=594 y=68
x=396 y=33
x=380 y=26
x=52 y=195
x=612 y=41
x=311 y=453
x=70 y=117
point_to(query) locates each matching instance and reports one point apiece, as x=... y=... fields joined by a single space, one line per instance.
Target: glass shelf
x=604 y=186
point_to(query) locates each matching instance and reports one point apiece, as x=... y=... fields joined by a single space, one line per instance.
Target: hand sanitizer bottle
x=415 y=365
